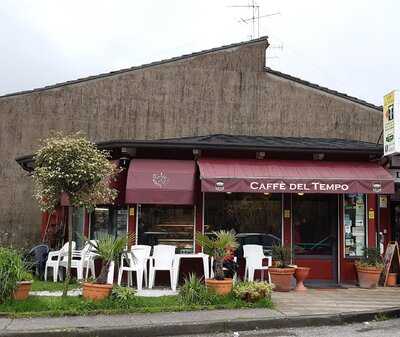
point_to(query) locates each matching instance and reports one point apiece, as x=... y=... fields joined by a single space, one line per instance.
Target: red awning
x=157 y=181
x=262 y=176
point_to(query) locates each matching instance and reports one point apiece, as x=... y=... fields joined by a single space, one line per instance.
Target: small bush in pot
x=194 y=292
x=369 y=268
x=281 y=274
x=108 y=248
x=252 y=291
x=15 y=281
x=219 y=246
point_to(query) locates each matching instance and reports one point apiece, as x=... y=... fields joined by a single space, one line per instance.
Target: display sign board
x=391 y=123
x=391 y=256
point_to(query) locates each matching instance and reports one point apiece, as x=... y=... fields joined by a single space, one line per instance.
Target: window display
x=109 y=220
x=168 y=225
x=354 y=224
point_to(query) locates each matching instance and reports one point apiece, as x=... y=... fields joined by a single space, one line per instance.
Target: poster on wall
x=391 y=123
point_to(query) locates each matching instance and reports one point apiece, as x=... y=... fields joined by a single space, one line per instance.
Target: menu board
x=354 y=224
x=121 y=221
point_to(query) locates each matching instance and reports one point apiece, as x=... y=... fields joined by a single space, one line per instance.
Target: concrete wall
x=225 y=91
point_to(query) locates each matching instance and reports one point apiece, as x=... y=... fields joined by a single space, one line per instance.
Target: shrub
x=193 y=292
x=371 y=258
x=12 y=270
x=252 y=291
x=282 y=255
x=123 y=296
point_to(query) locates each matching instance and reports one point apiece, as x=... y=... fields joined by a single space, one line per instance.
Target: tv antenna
x=255 y=17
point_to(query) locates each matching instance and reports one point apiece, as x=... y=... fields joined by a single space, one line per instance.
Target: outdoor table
x=177 y=262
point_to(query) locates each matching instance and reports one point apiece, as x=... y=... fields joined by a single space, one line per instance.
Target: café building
x=325 y=198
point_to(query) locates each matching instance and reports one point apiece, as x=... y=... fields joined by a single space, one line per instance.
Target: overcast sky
x=347 y=45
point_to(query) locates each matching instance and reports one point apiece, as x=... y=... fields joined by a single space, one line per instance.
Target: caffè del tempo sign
x=391 y=123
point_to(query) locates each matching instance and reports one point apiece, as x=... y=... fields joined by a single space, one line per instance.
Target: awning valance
x=290 y=176
x=157 y=181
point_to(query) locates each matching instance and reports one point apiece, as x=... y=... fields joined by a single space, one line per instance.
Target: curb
x=210 y=326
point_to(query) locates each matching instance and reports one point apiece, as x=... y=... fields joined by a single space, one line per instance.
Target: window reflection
x=255 y=217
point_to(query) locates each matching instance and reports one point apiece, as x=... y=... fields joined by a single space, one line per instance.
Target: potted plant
x=219 y=246
x=369 y=268
x=15 y=281
x=281 y=274
x=24 y=285
x=108 y=248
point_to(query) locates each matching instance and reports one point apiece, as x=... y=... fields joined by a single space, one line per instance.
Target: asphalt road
x=388 y=328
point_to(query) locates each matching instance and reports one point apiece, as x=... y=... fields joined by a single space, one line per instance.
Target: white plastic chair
x=148 y=252
x=80 y=260
x=54 y=259
x=136 y=260
x=162 y=259
x=254 y=256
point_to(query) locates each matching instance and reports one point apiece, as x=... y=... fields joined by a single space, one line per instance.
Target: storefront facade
x=319 y=198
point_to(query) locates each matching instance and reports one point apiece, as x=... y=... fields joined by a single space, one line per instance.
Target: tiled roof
x=253 y=142
x=241 y=142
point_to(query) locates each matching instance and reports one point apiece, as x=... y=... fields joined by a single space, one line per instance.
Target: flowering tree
x=72 y=165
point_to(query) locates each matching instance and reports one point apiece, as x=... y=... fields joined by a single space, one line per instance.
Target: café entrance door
x=315 y=234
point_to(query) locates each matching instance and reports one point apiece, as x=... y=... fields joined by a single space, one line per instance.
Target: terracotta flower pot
x=281 y=278
x=221 y=287
x=392 y=280
x=96 y=292
x=368 y=277
x=22 y=291
x=301 y=274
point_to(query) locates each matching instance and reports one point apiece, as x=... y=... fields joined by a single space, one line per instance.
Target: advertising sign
x=391 y=123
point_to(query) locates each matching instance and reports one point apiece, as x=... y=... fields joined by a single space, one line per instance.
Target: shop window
x=78 y=218
x=354 y=224
x=168 y=225
x=315 y=224
x=109 y=220
x=256 y=218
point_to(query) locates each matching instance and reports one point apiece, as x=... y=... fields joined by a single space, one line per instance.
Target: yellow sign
x=371 y=214
x=132 y=211
x=391 y=123
x=286 y=213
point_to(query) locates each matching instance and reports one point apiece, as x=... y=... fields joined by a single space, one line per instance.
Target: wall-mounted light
x=300 y=193
x=260 y=155
x=266 y=193
x=124 y=162
x=318 y=156
x=228 y=192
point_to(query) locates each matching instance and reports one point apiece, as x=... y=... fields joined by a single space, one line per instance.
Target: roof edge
x=262 y=39
x=322 y=88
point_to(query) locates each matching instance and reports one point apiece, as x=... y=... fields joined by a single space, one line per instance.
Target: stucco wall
x=226 y=91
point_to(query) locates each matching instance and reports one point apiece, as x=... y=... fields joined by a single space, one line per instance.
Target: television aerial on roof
x=255 y=17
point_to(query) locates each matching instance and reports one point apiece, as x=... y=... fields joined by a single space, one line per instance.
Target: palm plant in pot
x=107 y=248
x=219 y=246
x=281 y=274
x=369 y=268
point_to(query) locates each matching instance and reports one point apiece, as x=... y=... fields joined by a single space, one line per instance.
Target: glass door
x=315 y=227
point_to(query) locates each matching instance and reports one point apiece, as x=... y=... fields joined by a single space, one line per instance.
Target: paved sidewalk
x=314 y=307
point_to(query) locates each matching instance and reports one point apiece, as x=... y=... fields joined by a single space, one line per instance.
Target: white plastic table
x=177 y=262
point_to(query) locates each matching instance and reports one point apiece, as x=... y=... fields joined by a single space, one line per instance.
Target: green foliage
x=12 y=270
x=371 y=258
x=42 y=306
x=109 y=248
x=39 y=285
x=282 y=255
x=252 y=291
x=72 y=165
x=218 y=246
x=123 y=296
x=193 y=292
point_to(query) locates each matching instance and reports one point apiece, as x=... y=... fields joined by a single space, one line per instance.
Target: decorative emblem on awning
x=160 y=179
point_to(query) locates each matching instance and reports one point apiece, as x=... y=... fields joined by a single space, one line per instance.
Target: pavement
x=292 y=310
x=388 y=328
